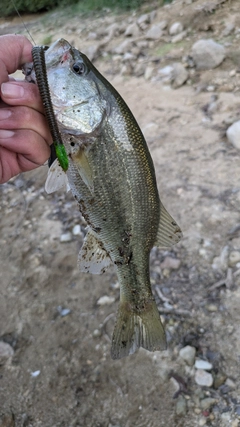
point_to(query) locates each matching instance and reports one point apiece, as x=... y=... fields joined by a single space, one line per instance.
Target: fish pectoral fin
x=93 y=258
x=136 y=329
x=169 y=233
x=82 y=164
x=56 y=178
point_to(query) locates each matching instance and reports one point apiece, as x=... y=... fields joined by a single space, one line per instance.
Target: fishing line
x=15 y=7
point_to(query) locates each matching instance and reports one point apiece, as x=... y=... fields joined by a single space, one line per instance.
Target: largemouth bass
x=111 y=175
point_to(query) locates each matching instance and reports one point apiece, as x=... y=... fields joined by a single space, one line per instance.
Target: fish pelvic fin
x=56 y=179
x=135 y=328
x=169 y=233
x=93 y=258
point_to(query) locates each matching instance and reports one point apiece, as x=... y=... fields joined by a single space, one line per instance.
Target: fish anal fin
x=80 y=160
x=93 y=258
x=56 y=179
x=136 y=329
x=169 y=233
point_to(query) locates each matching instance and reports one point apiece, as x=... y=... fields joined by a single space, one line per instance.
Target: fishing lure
x=42 y=81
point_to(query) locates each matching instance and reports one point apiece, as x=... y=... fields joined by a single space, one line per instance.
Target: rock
x=230 y=383
x=219 y=380
x=234 y=258
x=179 y=75
x=166 y=73
x=207 y=403
x=6 y=352
x=233 y=134
x=211 y=308
x=154 y=32
x=207 y=54
x=179 y=37
x=202 y=422
x=113 y=30
x=181 y=406
x=76 y=231
x=35 y=374
x=188 y=354
x=175 y=28
x=132 y=30
x=229 y=28
x=93 y=51
x=143 y=19
x=203 y=378
x=66 y=237
x=148 y=72
x=63 y=311
x=124 y=47
x=170 y=263
x=221 y=262
x=203 y=364
x=105 y=300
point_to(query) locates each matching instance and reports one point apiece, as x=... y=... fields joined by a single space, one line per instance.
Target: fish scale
x=112 y=177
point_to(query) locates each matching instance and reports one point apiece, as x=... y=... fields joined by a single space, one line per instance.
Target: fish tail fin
x=136 y=329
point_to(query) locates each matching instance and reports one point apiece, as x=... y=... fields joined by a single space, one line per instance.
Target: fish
x=112 y=178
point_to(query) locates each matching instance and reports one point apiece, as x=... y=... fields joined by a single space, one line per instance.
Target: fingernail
x=6 y=134
x=12 y=90
x=4 y=114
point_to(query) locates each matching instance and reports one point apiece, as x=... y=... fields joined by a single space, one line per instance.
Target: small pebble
x=181 y=406
x=207 y=403
x=188 y=354
x=203 y=364
x=6 y=352
x=203 y=378
x=202 y=421
x=212 y=308
x=235 y=423
x=63 y=311
x=35 y=374
x=230 y=383
x=66 y=237
x=76 y=230
x=105 y=300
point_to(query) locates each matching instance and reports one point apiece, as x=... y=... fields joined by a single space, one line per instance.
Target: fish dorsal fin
x=56 y=179
x=81 y=162
x=169 y=233
x=93 y=258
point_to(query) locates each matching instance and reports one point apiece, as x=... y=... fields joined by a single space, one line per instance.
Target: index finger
x=15 y=50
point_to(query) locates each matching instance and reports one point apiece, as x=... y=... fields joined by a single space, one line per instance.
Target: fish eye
x=79 y=68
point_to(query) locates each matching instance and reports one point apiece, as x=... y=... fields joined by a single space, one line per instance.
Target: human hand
x=24 y=133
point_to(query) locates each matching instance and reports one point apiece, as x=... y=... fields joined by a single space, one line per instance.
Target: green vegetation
x=31 y=6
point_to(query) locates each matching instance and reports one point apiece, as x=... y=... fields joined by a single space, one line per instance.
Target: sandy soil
x=78 y=384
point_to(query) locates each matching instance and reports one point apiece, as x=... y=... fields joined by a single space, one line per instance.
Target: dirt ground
x=59 y=372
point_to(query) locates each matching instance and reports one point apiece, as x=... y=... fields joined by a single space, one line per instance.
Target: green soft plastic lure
x=41 y=76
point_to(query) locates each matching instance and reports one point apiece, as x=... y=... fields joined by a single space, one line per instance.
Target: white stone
x=66 y=237
x=207 y=54
x=203 y=364
x=188 y=354
x=233 y=134
x=105 y=300
x=76 y=230
x=175 y=28
x=35 y=374
x=203 y=378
